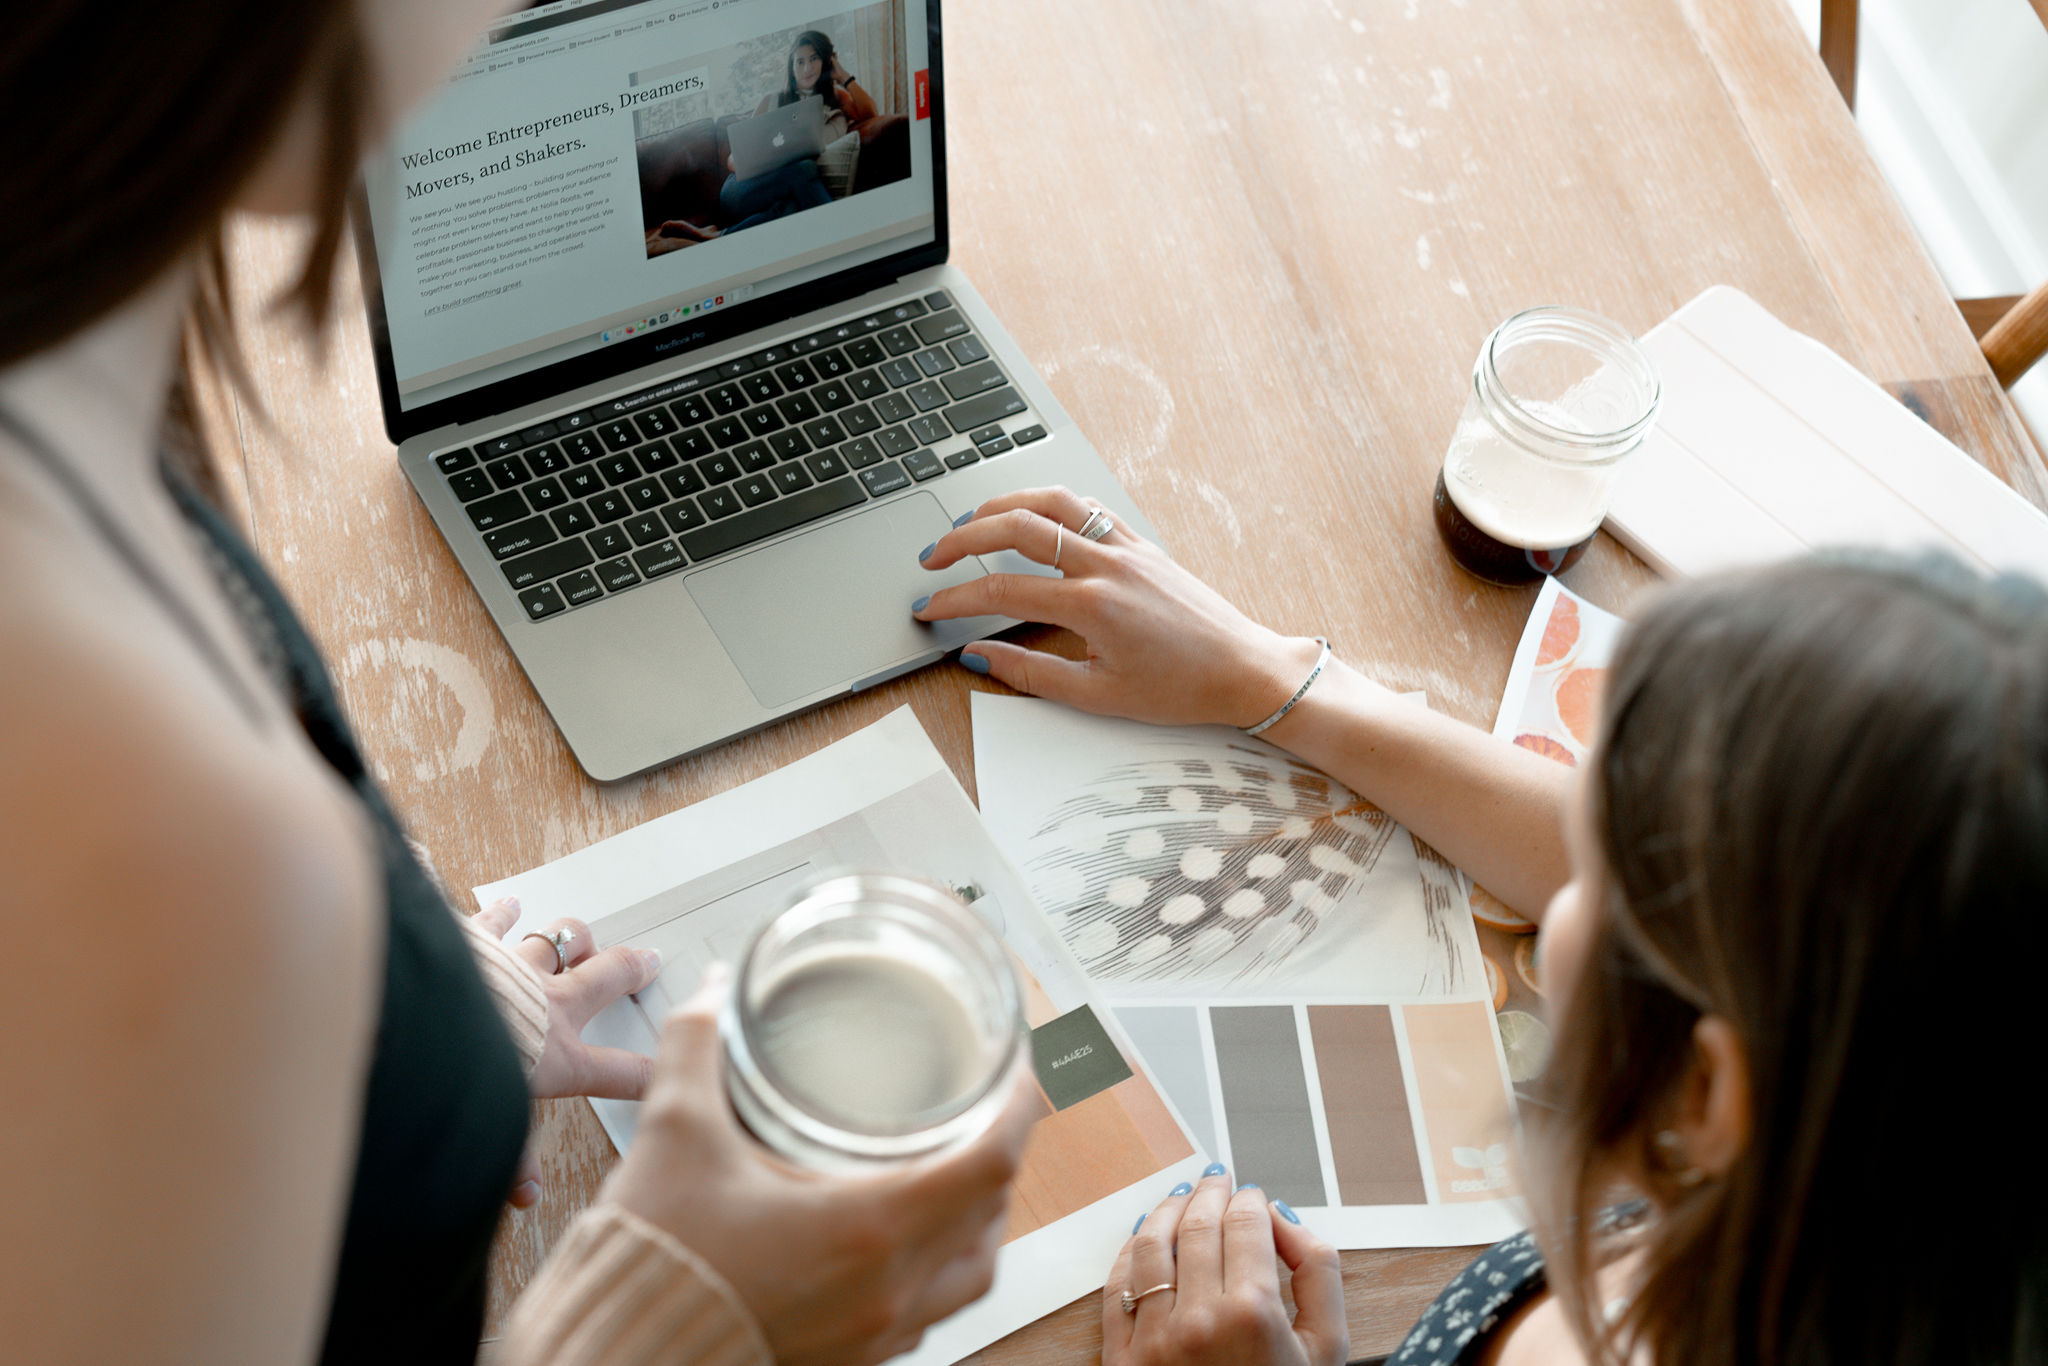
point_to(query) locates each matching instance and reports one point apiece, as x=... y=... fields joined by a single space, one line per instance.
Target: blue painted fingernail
x=1215 y=1169
x=1249 y=1186
x=963 y=519
x=926 y=553
x=1140 y=1224
x=918 y=606
x=1182 y=1189
x=974 y=664
x=1286 y=1212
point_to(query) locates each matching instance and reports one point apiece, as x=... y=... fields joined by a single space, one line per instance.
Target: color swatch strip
x=1365 y=1106
x=1169 y=1038
x=1457 y=1083
x=1266 y=1102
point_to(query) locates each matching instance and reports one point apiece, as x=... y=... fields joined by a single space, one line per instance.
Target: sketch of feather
x=1184 y=865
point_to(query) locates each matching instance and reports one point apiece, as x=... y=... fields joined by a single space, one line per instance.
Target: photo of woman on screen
x=771 y=125
x=812 y=68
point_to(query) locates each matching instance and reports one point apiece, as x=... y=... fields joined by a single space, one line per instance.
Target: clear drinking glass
x=1560 y=397
x=874 y=1020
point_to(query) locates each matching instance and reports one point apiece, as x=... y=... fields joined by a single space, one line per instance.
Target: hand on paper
x=1221 y=1252
x=593 y=980
x=840 y=1270
x=1162 y=645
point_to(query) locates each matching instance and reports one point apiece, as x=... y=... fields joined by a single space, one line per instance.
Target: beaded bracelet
x=1322 y=660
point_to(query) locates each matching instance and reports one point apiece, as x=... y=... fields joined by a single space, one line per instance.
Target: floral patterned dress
x=1456 y=1325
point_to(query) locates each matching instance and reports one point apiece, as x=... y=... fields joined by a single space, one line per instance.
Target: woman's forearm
x=1493 y=809
x=856 y=103
x=1165 y=647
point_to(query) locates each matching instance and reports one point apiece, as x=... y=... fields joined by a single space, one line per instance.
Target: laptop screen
x=600 y=172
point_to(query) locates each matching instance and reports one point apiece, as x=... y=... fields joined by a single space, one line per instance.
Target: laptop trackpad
x=833 y=606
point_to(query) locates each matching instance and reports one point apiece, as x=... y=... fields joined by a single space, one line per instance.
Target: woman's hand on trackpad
x=1162 y=645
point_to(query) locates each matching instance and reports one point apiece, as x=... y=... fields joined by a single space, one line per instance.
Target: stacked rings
x=1098 y=525
x=558 y=940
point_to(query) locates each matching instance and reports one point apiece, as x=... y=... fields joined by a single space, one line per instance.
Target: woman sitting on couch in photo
x=1789 y=898
x=813 y=68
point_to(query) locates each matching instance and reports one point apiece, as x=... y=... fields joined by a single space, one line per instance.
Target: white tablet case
x=1770 y=444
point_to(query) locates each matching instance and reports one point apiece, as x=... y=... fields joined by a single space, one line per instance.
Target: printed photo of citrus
x=1526 y=1042
x=1547 y=747
x=1489 y=909
x=1497 y=982
x=1529 y=964
x=1578 y=702
x=1560 y=635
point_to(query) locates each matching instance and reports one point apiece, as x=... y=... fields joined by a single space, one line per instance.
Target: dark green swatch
x=1074 y=1058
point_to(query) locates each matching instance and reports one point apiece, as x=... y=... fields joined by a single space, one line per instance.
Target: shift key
x=554 y=561
x=983 y=409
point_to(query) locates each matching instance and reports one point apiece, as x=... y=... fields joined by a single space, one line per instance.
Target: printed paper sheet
x=1302 y=978
x=1551 y=706
x=696 y=883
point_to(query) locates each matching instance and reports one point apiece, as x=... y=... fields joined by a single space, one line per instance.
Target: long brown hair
x=131 y=126
x=821 y=44
x=1822 y=796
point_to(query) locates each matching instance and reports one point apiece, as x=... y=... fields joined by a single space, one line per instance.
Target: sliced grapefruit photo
x=1548 y=748
x=1560 y=634
x=1529 y=964
x=1489 y=909
x=1497 y=983
x=1578 y=702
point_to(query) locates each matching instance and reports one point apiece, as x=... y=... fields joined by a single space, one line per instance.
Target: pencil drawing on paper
x=1239 y=867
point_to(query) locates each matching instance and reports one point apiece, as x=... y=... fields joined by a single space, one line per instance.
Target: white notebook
x=1770 y=444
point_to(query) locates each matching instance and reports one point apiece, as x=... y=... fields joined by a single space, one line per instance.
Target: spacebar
x=780 y=515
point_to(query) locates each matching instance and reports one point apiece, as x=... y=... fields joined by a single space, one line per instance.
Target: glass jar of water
x=1559 y=399
x=876 y=1019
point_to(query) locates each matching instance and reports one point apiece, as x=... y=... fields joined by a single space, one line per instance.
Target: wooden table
x=1254 y=246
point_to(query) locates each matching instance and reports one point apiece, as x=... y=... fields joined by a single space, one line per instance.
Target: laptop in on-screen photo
x=686 y=430
x=769 y=141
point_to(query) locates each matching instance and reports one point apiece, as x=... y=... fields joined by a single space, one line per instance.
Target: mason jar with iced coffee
x=1559 y=399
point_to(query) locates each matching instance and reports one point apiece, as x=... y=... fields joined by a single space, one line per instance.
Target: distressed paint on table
x=1254 y=248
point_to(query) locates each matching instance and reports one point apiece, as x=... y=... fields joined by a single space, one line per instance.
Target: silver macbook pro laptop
x=685 y=431
x=767 y=142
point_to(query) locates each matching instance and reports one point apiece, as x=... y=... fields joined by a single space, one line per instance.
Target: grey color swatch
x=1265 y=1102
x=1169 y=1042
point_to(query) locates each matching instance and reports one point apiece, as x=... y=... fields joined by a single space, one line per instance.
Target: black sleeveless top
x=444 y=1115
x=445 y=1104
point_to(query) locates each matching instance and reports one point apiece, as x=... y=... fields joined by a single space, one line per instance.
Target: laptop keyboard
x=597 y=502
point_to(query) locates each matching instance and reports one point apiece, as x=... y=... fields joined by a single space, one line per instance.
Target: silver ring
x=1059 y=540
x=1131 y=1301
x=558 y=940
x=1098 y=525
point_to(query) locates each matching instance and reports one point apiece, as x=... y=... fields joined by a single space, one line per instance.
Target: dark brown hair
x=821 y=45
x=1822 y=795
x=132 y=125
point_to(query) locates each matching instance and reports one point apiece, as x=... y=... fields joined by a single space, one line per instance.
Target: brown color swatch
x=1365 y=1103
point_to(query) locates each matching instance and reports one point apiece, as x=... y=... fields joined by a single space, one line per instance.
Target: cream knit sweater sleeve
x=615 y=1291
